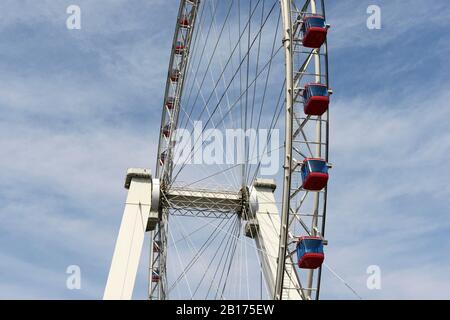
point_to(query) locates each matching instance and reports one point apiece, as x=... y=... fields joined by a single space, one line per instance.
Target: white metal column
x=267 y=240
x=129 y=243
x=287 y=27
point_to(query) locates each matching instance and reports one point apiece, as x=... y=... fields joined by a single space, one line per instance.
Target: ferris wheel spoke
x=273 y=124
x=193 y=149
x=221 y=229
x=208 y=268
x=203 y=165
x=195 y=58
x=199 y=35
x=221 y=64
x=229 y=60
x=180 y=262
x=230 y=265
x=212 y=237
x=184 y=237
x=227 y=63
x=211 y=58
x=302 y=223
x=262 y=104
x=225 y=254
x=202 y=266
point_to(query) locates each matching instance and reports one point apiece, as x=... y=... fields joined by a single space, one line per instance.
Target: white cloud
x=62 y=183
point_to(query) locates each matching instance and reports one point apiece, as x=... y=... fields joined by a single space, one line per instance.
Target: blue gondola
x=163 y=157
x=174 y=75
x=310 y=252
x=170 y=103
x=179 y=47
x=314 y=174
x=316 y=99
x=314 y=31
x=166 y=130
x=155 y=275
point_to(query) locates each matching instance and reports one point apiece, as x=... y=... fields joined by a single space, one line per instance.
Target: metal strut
x=287 y=27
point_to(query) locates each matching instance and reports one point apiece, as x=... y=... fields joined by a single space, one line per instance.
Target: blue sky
x=79 y=107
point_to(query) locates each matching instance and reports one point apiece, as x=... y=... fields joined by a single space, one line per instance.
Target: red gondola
x=166 y=130
x=316 y=99
x=174 y=75
x=184 y=22
x=155 y=275
x=179 y=47
x=314 y=31
x=170 y=102
x=314 y=174
x=310 y=252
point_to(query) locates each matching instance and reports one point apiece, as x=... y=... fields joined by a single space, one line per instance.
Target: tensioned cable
x=272 y=126
x=220 y=77
x=256 y=248
x=227 y=63
x=208 y=267
x=192 y=247
x=222 y=171
x=210 y=59
x=204 y=77
x=342 y=280
x=215 y=109
x=225 y=251
x=204 y=127
x=254 y=87
x=180 y=262
x=229 y=260
x=226 y=177
x=209 y=30
x=192 y=233
x=211 y=238
x=267 y=77
x=260 y=112
x=230 y=265
x=202 y=249
x=202 y=53
x=191 y=60
x=244 y=168
x=223 y=79
x=221 y=66
x=204 y=166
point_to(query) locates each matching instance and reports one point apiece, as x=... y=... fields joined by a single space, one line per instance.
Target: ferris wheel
x=230 y=229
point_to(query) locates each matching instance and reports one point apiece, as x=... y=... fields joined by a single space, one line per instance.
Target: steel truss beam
x=202 y=200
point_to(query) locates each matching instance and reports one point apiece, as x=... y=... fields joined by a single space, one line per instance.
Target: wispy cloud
x=78 y=108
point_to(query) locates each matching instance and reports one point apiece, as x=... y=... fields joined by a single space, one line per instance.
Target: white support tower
x=267 y=239
x=145 y=200
x=138 y=217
